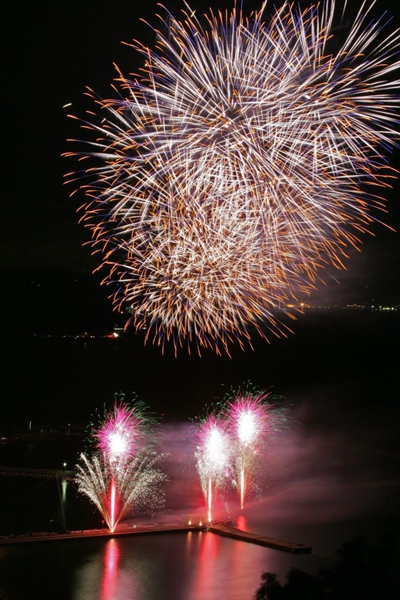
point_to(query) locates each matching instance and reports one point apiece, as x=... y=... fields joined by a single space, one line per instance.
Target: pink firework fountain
x=118 y=438
x=213 y=458
x=251 y=418
x=122 y=471
x=232 y=439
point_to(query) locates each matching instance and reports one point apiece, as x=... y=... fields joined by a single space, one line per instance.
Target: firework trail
x=244 y=158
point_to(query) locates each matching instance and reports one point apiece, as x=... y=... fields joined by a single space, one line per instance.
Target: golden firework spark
x=243 y=159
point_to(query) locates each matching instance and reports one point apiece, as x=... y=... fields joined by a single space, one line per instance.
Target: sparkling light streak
x=244 y=158
x=113 y=504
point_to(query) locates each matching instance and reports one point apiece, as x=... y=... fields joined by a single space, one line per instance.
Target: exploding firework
x=123 y=430
x=121 y=475
x=115 y=491
x=237 y=165
x=212 y=458
x=252 y=419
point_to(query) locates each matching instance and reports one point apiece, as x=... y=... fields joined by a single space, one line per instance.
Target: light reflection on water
x=110 y=569
x=202 y=566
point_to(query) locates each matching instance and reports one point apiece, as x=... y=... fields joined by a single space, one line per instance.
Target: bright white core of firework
x=117 y=444
x=247 y=427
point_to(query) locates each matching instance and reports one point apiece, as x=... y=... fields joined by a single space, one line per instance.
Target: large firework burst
x=234 y=167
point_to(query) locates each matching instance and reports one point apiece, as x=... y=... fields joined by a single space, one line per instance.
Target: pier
x=261 y=540
x=123 y=530
x=37 y=473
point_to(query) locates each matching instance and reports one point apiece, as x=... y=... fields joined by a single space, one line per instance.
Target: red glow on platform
x=241 y=523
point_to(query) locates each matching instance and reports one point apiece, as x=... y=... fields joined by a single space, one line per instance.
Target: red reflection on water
x=204 y=571
x=110 y=573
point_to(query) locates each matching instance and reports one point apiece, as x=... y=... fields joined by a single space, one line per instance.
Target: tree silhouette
x=360 y=573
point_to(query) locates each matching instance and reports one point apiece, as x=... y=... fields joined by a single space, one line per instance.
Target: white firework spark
x=235 y=166
x=135 y=486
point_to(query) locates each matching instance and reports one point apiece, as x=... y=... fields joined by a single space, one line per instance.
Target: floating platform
x=261 y=540
x=122 y=530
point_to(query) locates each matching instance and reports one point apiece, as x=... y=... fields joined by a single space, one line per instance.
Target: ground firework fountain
x=252 y=418
x=121 y=473
x=212 y=458
x=233 y=439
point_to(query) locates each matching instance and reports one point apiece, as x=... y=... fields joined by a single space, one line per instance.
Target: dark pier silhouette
x=261 y=540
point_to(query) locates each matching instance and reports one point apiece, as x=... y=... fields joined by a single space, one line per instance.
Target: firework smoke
x=243 y=159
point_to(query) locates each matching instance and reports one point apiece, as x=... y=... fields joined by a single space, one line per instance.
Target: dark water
x=332 y=474
x=59 y=380
x=180 y=566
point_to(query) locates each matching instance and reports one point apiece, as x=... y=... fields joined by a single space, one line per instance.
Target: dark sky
x=52 y=51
